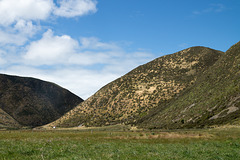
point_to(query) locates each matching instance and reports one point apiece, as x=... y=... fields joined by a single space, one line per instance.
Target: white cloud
x=12 y=11
x=26 y=27
x=72 y=8
x=50 y=49
x=212 y=8
x=12 y=38
x=19 y=18
x=63 y=50
x=2 y=60
x=89 y=58
x=18 y=34
x=94 y=43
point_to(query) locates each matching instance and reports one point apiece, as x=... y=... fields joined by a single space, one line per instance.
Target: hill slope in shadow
x=32 y=102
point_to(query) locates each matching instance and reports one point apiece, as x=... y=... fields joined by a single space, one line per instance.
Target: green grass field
x=207 y=144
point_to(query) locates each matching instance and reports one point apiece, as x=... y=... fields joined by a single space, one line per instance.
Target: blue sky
x=84 y=44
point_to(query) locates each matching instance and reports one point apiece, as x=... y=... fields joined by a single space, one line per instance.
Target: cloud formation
x=20 y=18
x=72 y=8
x=81 y=65
x=12 y=11
x=18 y=34
x=212 y=8
x=50 y=49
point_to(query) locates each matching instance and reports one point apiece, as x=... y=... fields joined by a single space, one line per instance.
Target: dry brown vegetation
x=129 y=98
x=6 y=121
x=164 y=135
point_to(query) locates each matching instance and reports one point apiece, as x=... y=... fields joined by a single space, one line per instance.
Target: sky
x=82 y=45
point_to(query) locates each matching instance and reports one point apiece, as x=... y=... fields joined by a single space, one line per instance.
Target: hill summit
x=214 y=98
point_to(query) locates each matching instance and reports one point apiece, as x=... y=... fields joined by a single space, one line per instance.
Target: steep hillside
x=129 y=98
x=32 y=102
x=6 y=121
x=213 y=100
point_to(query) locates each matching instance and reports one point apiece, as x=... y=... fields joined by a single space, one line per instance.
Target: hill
x=6 y=121
x=130 y=98
x=214 y=99
x=32 y=102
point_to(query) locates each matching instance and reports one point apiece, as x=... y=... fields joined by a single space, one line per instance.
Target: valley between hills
x=194 y=88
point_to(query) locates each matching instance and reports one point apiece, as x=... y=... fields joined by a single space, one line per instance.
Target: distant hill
x=214 y=99
x=32 y=102
x=150 y=87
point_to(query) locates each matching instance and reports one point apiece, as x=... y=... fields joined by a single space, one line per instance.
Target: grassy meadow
x=95 y=143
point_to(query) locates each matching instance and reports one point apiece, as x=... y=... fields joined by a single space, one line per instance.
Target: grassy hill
x=214 y=99
x=129 y=99
x=32 y=102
